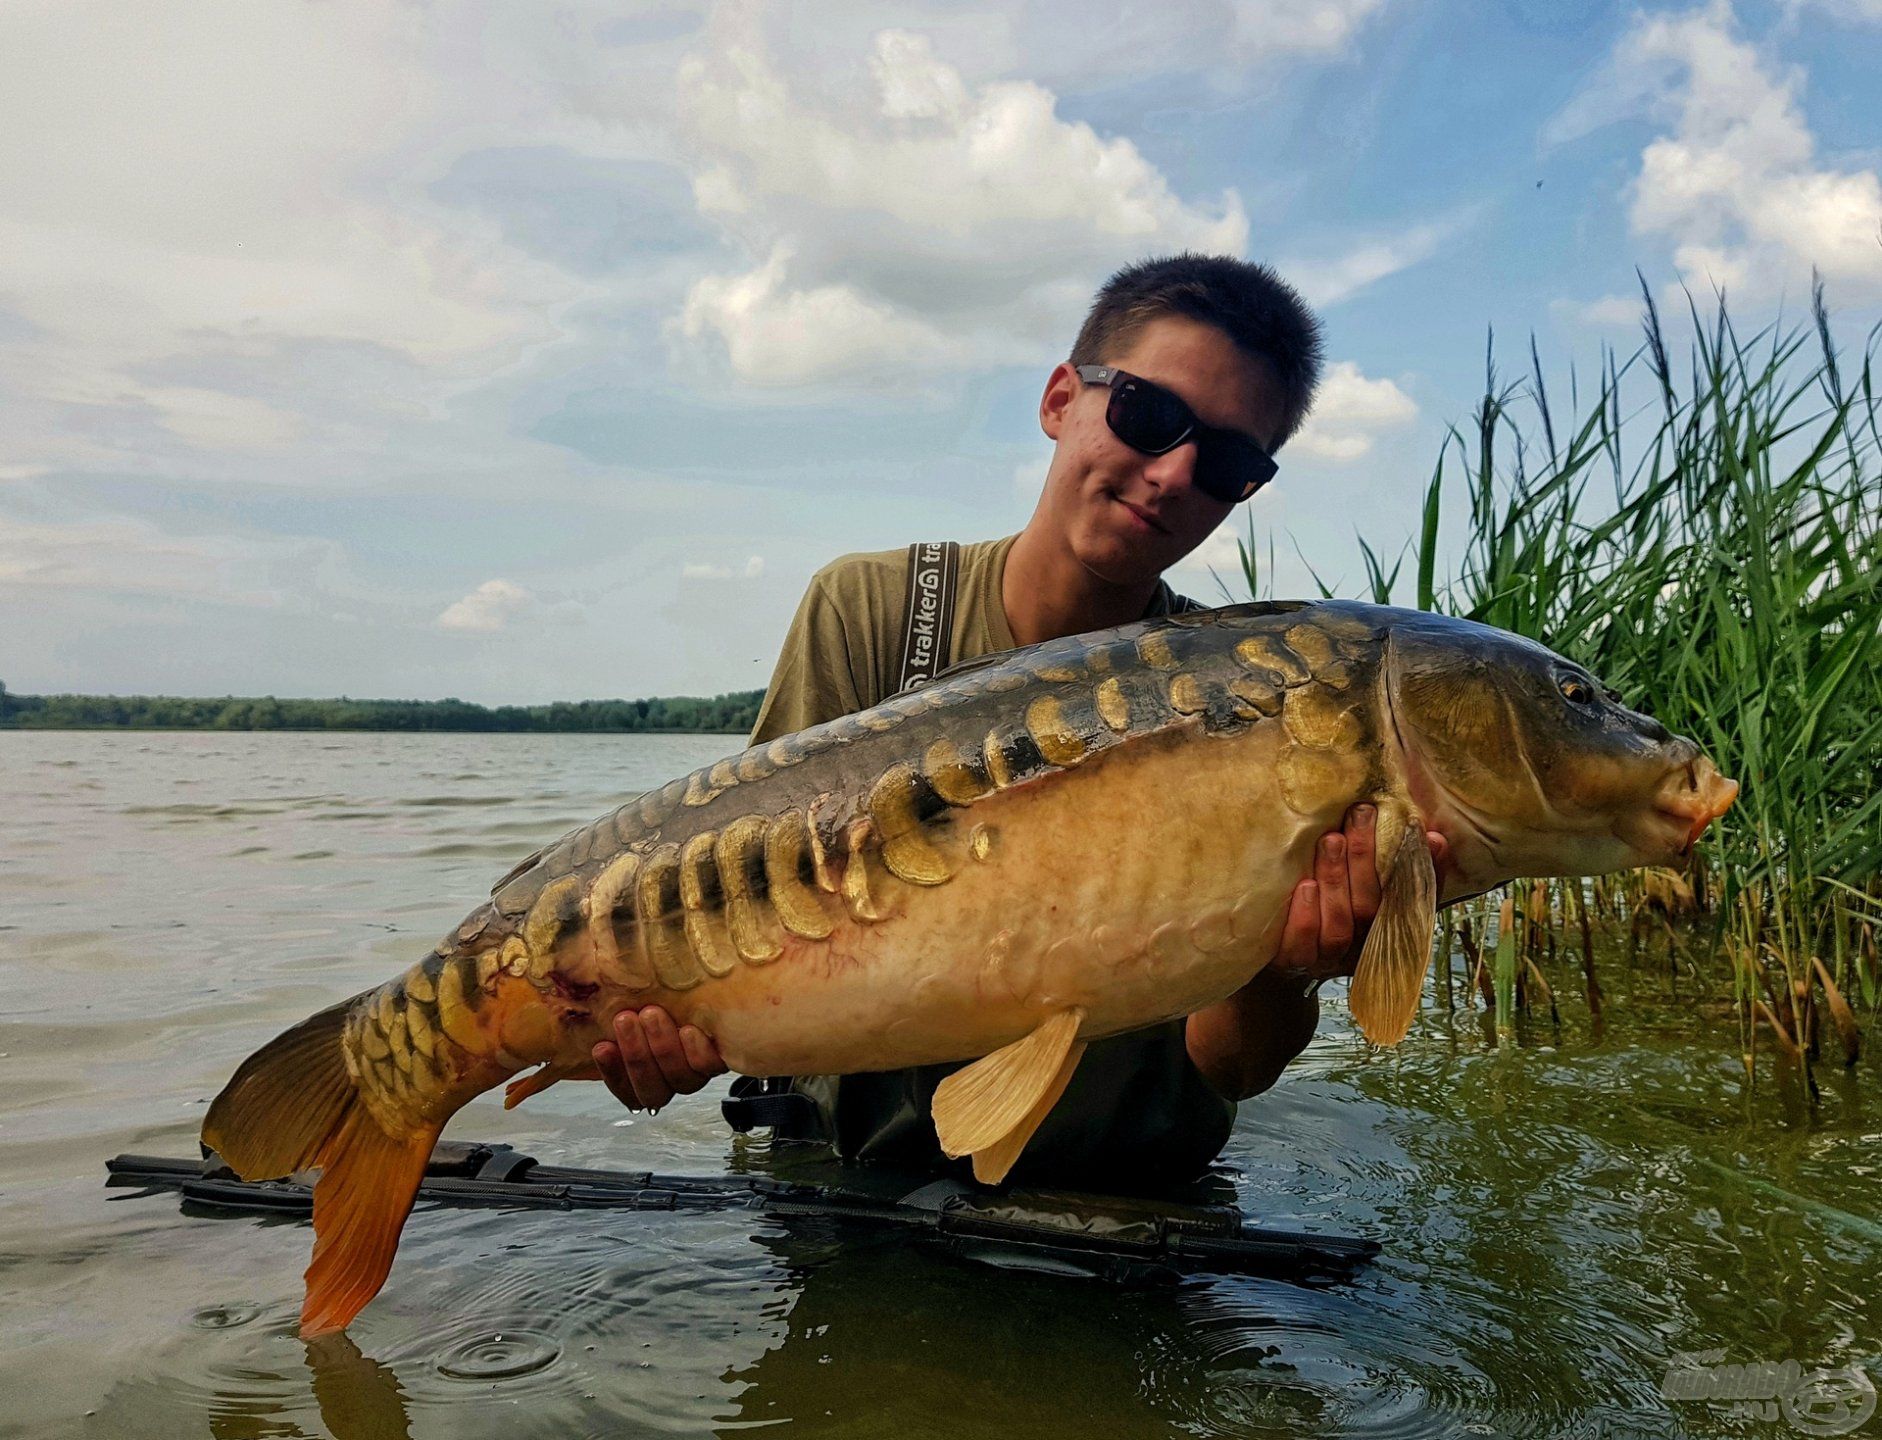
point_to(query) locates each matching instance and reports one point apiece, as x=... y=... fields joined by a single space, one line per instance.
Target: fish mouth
x=1690 y=799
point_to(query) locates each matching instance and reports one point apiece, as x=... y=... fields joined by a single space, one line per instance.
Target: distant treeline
x=727 y=714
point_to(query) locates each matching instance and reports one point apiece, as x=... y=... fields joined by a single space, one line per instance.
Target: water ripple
x=1555 y=1221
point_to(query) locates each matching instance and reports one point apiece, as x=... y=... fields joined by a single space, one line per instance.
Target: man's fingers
x=1362 y=862
x=607 y=1058
x=1336 y=901
x=701 y=1053
x=1300 y=932
x=650 y=1059
x=669 y=1053
x=643 y=1071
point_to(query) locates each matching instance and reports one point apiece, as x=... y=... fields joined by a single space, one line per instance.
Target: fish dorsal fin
x=519 y=867
x=957 y=669
x=991 y=1108
x=1384 y=994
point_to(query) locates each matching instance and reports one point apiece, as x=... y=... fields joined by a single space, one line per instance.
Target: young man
x=1186 y=376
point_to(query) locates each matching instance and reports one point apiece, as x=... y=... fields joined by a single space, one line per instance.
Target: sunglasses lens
x=1231 y=470
x=1147 y=418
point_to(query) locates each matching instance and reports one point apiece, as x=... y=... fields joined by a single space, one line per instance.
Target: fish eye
x=1576 y=690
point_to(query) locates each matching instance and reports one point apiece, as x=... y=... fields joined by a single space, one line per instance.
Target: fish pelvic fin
x=292 y=1106
x=991 y=1108
x=537 y=1081
x=1392 y=965
x=366 y=1188
x=992 y=1163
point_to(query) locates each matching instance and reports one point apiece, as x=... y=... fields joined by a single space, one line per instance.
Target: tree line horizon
x=733 y=713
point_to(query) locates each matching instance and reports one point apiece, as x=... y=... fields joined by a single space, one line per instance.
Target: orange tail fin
x=367 y=1184
x=291 y=1106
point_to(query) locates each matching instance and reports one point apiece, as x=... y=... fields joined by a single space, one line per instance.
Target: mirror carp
x=1035 y=851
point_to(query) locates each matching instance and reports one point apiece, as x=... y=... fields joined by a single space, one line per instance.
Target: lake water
x=1562 y=1216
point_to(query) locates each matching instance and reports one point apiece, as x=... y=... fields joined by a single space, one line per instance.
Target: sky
x=532 y=352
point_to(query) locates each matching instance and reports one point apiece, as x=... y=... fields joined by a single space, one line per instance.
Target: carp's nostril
x=1657 y=735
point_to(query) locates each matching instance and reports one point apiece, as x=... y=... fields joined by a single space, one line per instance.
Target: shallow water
x=1561 y=1216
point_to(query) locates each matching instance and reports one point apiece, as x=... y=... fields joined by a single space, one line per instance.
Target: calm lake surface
x=1562 y=1216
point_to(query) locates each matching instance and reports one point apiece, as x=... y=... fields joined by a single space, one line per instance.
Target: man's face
x=1126 y=516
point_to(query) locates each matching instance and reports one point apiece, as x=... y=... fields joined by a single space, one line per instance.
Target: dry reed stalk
x=1474 y=954
x=1590 y=984
x=1536 y=981
x=1784 y=1040
x=1504 y=998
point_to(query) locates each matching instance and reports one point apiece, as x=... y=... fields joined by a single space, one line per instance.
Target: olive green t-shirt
x=1137 y=1113
x=845 y=645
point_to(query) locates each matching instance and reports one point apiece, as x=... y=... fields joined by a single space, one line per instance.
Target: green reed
x=1705 y=533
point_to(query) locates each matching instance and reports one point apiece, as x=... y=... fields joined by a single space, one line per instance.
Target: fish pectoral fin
x=537 y=1081
x=991 y=1108
x=1384 y=994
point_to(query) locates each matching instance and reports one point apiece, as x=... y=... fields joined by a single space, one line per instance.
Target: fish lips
x=1690 y=799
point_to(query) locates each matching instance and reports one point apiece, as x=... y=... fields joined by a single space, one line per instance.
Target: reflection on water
x=1561 y=1218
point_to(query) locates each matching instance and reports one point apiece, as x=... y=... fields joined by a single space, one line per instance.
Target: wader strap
x=934 y=571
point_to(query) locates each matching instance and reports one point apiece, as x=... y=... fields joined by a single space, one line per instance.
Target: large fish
x=1059 y=844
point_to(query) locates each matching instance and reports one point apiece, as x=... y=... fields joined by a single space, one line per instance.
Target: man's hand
x=1332 y=909
x=650 y=1059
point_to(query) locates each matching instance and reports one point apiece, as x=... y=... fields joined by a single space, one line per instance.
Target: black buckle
x=754 y=1102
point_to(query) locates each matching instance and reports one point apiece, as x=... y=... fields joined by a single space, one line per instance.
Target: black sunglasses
x=1153 y=421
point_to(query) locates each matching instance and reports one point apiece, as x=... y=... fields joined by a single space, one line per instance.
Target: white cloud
x=1218 y=39
x=750 y=570
x=212 y=180
x=1607 y=310
x=217 y=420
x=1854 y=11
x=1068 y=46
x=869 y=220
x=1299 y=27
x=116 y=556
x=1212 y=572
x=777 y=336
x=1349 y=413
x=489 y=608
x=1735 y=186
x=1331 y=279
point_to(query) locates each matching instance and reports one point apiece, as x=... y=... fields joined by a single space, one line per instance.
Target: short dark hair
x=1249 y=303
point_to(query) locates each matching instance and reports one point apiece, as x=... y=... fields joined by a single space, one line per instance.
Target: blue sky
x=533 y=352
